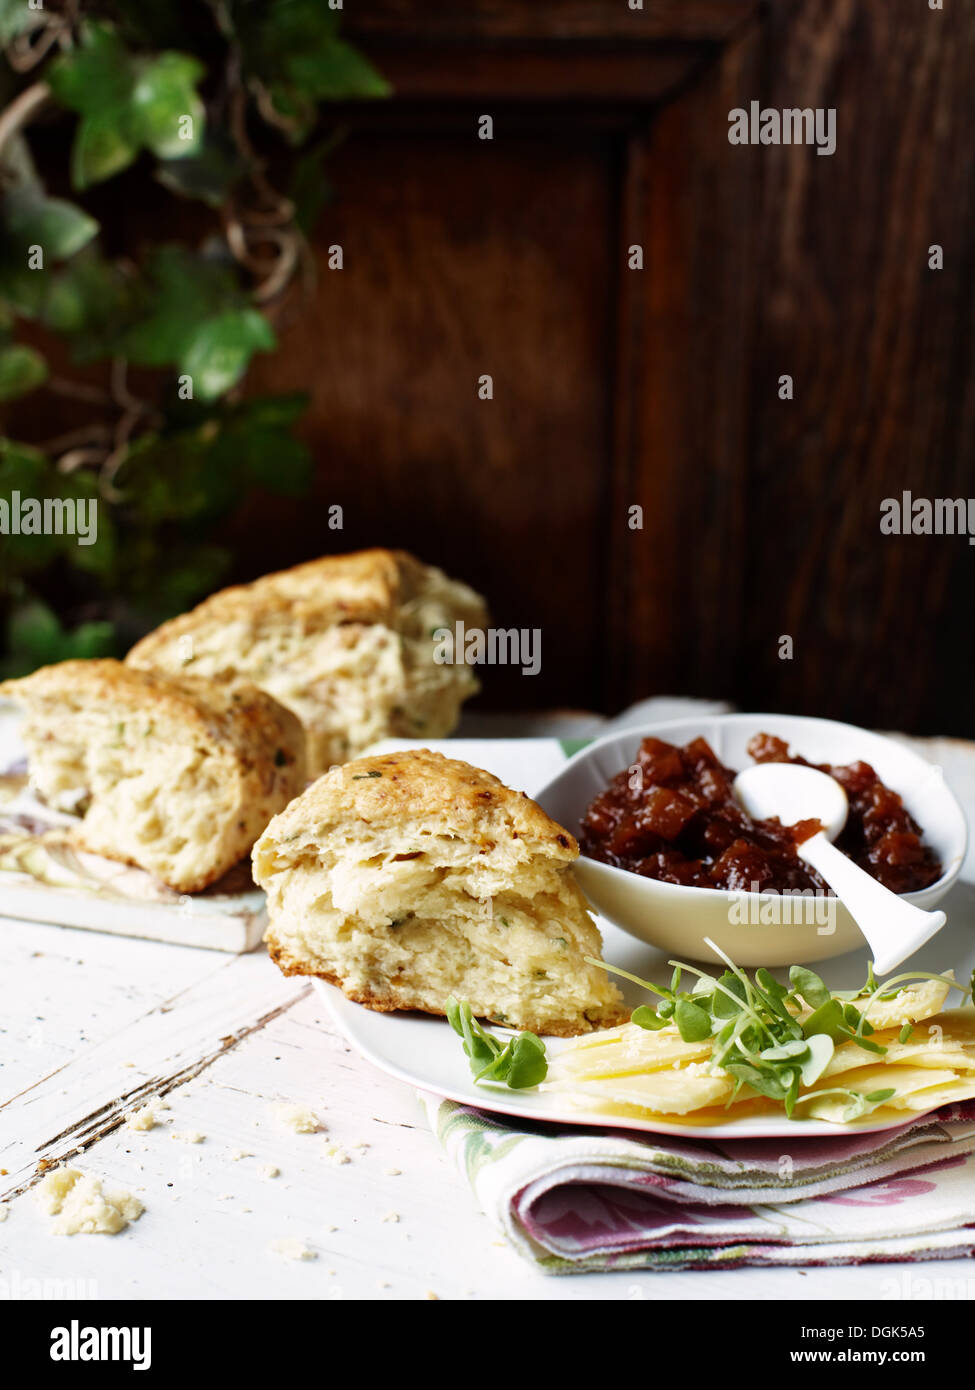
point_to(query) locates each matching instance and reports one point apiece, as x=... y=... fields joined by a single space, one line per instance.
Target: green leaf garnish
x=809 y=985
x=520 y=1064
x=645 y=1017
x=759 y=1038
x=693 y=1022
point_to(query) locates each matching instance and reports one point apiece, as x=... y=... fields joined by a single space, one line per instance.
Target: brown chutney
x=673 y=816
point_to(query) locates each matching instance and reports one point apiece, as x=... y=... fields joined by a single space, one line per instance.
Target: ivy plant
x=198 y=100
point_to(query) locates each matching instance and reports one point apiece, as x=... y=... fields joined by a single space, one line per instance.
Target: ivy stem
x=22 y=110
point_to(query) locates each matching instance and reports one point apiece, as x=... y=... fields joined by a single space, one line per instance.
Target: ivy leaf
x=34 y=632
x=126 y=103
x=99 y=554
x=92 y=302
x=293 y=47
x=220 y=349
x=96 y=76
x=180 y=575
x=162 y=570
x=209 y=174
x=181 y=292
x=279 y=462
x=197 y=319
x=267 y=453
x=270 y=412
x=100 y=149
x=24 y=470
x=29 y=219
x=195 y=474
x=21 y=467
x=21 y=370
x=309 y=189
x=167 y=114
x=57 y=226
x=87 y=540
x=332 y=70
x=36 y=637
x=168 y=479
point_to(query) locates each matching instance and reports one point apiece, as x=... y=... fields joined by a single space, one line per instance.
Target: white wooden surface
x=100 y=895
x=91 y=1025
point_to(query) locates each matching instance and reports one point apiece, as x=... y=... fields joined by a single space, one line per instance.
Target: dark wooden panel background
x=657 y=388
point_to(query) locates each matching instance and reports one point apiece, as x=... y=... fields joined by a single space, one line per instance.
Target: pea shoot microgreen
x=759 y=1036
x=519 y=1064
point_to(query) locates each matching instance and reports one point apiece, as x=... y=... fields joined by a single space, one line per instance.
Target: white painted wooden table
x=90 y=1025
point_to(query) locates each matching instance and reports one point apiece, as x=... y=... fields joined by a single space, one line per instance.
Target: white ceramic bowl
x=677 y=919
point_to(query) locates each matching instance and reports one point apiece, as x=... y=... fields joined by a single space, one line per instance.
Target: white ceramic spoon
x=894 y=929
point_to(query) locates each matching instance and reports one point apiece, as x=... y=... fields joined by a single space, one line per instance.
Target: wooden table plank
x=210 y=1220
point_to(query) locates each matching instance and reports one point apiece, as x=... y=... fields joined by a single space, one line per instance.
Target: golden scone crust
x=419 y=784
x=606 y=1016
x=250 y=746
x=366 y=586
x=240 y=717
x=346 y=642
x=406 y=877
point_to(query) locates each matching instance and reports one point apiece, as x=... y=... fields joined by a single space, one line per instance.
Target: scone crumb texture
x=83 y=1207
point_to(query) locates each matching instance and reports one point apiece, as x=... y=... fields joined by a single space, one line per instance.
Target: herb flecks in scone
x=177 y=776
x=411 y=877
x=346 y=642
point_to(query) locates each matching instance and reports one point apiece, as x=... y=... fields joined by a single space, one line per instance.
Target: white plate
x=425 y=1051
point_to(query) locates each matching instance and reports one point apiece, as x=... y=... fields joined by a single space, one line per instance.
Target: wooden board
x=86 y=891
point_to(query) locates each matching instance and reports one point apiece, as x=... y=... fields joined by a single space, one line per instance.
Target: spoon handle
x=894 y=929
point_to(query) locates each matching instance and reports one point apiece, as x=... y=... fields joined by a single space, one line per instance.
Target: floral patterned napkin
x=583 y=1200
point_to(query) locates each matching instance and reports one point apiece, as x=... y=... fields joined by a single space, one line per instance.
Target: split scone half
x=176 y=776
x=408 y=877
x=346 y=642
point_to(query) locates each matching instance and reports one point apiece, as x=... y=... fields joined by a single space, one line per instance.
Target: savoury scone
x=408 y=877
x=346 y=642
x=176 y=776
